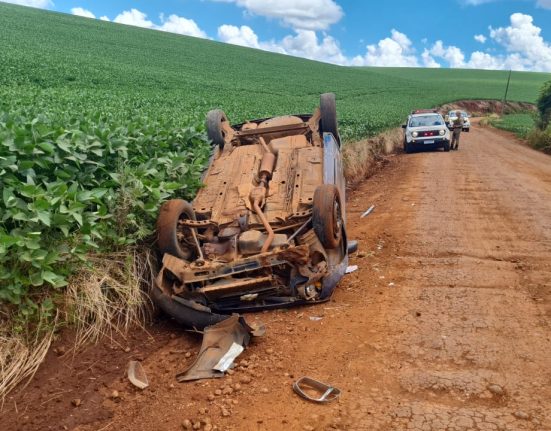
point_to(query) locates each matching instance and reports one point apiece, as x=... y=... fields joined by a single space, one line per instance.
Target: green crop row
x=75 y=184
x=520 y=124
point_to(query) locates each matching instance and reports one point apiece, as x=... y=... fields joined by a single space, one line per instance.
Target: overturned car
x=267 y=230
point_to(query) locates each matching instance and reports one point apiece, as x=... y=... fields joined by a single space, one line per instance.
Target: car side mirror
x=404 y=126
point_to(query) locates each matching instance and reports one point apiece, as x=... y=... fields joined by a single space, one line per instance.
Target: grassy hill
x=54 y=58
x=100 y=123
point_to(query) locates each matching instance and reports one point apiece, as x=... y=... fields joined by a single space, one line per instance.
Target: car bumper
x=429 y=142
x=229 y=297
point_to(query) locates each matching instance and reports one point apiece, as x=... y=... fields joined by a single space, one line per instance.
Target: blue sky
x=490 y=34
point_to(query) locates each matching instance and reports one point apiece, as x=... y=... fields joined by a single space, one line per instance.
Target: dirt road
x=445 y=326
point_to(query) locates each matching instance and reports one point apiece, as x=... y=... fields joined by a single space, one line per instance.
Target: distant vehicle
x=267 y=230
x=426 y=129
x=452 y=116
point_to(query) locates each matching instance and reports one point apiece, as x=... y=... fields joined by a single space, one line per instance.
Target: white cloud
x=482 y=60
x=134 y=17
x=428 y=60
x=82 y=12
x=524 y=47
x=546 y=4
x=243 y=36
x=523 y=40
x=181 y=25
x=304 y=43
x=480 y=38
x=452 y=54
x=298 y=14
x=41 y=4
x=172 y=24
x=105 y=18
x=396 y=50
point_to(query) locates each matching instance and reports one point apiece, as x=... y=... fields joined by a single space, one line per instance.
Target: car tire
x=467 y=130
x=446 y=146
x=328 y=109
x=408 y=148
x=215 y=127
x=327 y=215
x=167 y=228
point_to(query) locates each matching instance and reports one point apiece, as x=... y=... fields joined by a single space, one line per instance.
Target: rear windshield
x=426 y=120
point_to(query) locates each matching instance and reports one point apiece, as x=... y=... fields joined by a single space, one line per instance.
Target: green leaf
x=54 y=279
x=44 y=217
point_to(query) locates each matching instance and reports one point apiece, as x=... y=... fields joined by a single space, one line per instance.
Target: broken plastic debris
x=315 y=318
x=351 y=268
x=136 y=375
x=315 y=391
x=222 y=343
x=365 y=214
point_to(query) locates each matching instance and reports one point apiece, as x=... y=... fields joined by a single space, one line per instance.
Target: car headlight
x=414 y=134
x=442 y=132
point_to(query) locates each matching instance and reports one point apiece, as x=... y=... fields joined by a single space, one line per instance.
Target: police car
x=452 y=116
x=426 y=129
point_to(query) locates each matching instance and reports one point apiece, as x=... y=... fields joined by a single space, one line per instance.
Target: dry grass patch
x=108 y=296
x=361 y=158
x=21 y=357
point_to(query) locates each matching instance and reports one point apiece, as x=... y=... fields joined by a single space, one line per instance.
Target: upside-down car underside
x=267 y=229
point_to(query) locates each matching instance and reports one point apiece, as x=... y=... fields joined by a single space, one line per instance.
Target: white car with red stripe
x=426 y=129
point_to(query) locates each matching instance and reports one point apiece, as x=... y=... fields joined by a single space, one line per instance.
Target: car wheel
x=171 y=236
x=327 y=215
x=328 y=108
x=467 y=130
x=408 y=148
x=446 y=146
x=215 y=127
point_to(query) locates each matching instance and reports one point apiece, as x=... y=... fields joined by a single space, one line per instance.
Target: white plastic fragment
x=226 y=361
x=351 y=268
x=365 y=214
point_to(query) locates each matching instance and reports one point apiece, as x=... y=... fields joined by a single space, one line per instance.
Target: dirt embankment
x=363 y=158
x=479 y=108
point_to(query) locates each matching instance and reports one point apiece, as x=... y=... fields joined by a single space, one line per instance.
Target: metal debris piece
x=222 y=343
x=365 y=214
x=136 y=375
x=351 y=268
x=306 y=387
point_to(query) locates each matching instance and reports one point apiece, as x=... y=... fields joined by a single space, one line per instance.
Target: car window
x=426 y=120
